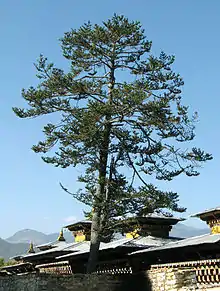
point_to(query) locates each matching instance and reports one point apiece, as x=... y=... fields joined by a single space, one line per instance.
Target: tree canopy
x=120 y=110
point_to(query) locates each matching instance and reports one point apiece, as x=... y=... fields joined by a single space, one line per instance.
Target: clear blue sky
x=30 y=192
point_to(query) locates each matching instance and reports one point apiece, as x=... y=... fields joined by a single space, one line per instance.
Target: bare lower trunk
x=94 y=244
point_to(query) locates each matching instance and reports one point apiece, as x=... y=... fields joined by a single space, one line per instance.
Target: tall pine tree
x=120 y=108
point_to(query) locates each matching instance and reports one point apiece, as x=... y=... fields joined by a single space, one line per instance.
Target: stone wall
x=178 y=279
x=54 y=282
x=74 y=283
x=155 y=279
x=169 y=279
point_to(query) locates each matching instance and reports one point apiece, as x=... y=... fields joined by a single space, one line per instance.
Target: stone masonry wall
x=73 y=283
x=56 y=283
x=177 y=279
x=169 y=279
x=155 y=279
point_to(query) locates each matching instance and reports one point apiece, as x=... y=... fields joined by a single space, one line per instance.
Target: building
x=196 y=248
x=139 y=233
x=146 y=248
x=212 y=218
x=81 y=230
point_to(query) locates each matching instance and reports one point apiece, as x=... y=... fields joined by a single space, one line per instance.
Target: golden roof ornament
x=31 y=249
x=61 y=237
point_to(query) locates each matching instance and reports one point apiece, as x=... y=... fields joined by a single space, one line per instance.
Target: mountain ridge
x=36 y=237
x=9 y=250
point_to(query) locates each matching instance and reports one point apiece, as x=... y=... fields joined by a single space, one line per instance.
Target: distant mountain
x=8 y=250
x=183 y=230
x=37 y=237
x=19 y=243
x=27 y=235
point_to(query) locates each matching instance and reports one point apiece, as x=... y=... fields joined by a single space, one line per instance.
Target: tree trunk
x=100 y=194
x=96 y=217
x=94 y=243
x=98 y=205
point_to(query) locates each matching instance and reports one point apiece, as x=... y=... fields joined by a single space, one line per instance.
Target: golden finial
x=61 y=237
x=31 y=248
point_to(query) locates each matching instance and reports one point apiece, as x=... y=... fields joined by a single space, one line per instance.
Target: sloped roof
x=103 y=246
x=52 y=244
x=193 y=241
x=153 y=241
x=157 y=216
x=140 y=242
x=117 y=243
x=78 y=223
x=19 y=268
x=63 y=247
x=79 y=246
x=207 y=211
x=161 y=216
x=152 y=219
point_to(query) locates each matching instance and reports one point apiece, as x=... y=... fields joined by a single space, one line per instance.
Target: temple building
x=81 y=230
x=34 y=253
x=155 y=225
x=139 y=233
x=58 y=243
x=146 y=241
x=195 y=248
x=212 y=218
x=146 y=248
x=45 y=254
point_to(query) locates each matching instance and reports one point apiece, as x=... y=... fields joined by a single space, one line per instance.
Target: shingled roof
x=192 y=241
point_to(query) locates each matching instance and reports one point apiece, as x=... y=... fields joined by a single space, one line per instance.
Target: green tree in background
x=2 y=262
x=120 y=117
x=8 y=263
